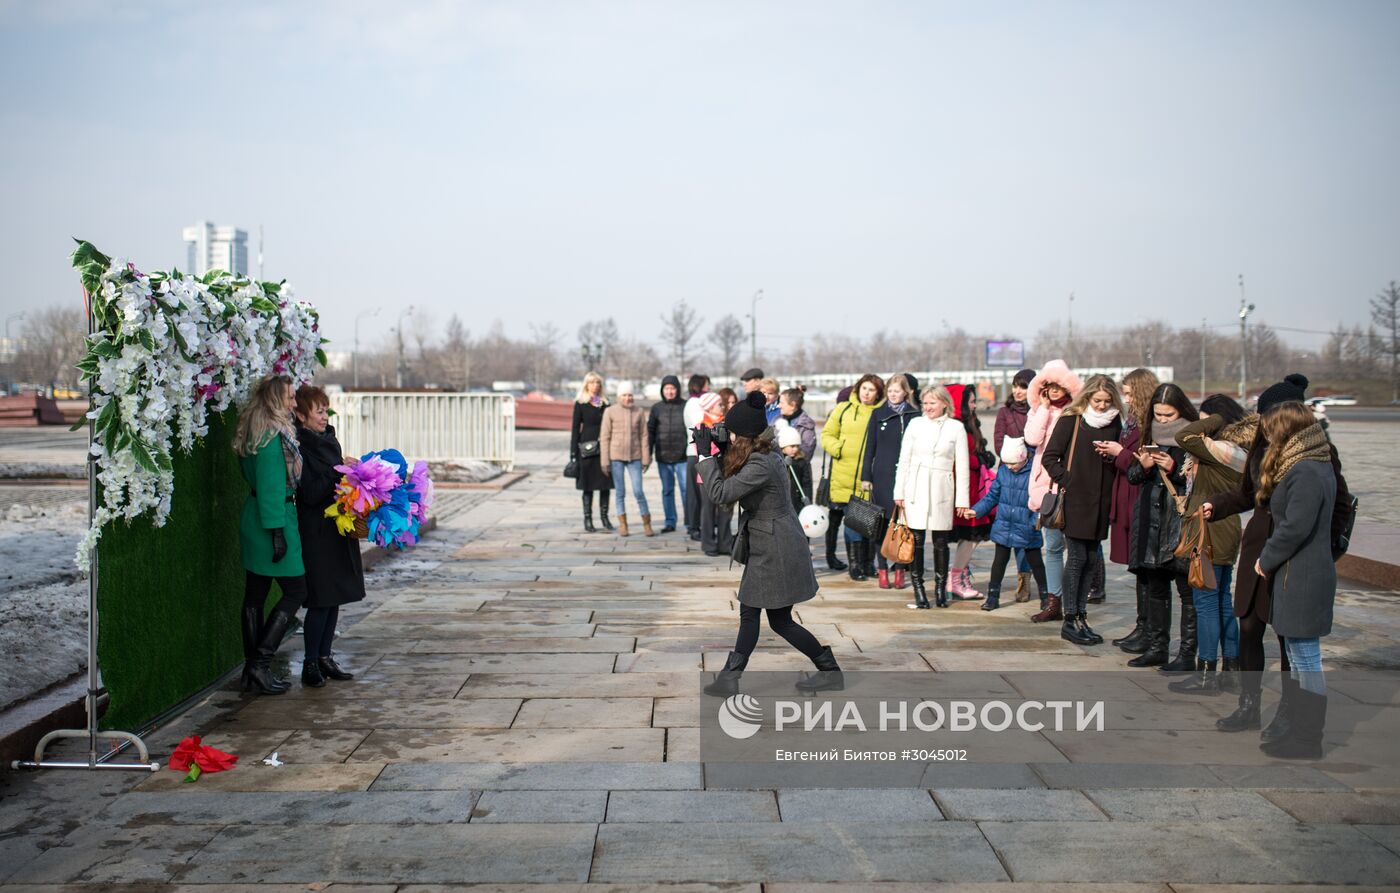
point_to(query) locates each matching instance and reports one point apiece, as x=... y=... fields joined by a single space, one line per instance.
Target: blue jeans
x=1022 y=566
x=634 y=471
x=1054 y=561
x=1217 y=630
x=1305 y=663
x=672 y=475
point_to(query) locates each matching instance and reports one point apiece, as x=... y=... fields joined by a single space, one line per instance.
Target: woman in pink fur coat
x=1053 y=387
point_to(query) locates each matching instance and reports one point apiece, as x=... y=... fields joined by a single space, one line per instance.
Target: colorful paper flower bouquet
x=381 y=499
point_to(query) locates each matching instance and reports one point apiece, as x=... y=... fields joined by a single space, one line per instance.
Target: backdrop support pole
x=91 y=733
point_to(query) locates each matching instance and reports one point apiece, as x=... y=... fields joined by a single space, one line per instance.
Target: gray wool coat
x=779 y=571
x=1298 y=554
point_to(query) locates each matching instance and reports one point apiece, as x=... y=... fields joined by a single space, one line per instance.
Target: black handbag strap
x=1073 y=441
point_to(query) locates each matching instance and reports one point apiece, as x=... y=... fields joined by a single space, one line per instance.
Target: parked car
x=1339 y=400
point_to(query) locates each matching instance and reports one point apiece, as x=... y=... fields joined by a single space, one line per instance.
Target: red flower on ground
x=206 y=759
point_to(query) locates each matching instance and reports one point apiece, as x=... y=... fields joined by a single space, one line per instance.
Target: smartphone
x=1152 y=448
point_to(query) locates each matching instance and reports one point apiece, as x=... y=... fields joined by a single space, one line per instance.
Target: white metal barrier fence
x=435 y=427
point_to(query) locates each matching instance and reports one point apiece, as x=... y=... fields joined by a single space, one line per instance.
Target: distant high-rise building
x=209 y=247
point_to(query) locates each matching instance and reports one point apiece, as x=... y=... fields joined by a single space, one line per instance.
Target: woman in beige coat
x=625 y=448
x=929 y=483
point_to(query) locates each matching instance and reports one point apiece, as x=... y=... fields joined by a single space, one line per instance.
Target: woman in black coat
x=334 y=574
x=884 y=434
x=1085 y=479
x=584 y=430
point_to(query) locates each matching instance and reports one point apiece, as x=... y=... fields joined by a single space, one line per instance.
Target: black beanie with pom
x=1293 y=388
x=747 y=417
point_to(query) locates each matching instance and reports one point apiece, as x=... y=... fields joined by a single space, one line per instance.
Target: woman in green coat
x=843 y=436
x=266 y=444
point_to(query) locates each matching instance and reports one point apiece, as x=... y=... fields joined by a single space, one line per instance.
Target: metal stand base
x=94 y=760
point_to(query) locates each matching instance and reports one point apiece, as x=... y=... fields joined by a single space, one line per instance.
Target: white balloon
x=814 y=519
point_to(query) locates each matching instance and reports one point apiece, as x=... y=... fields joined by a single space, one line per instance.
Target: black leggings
x=781 y=622
x=1080 y=556
x=256 y=587
x=318 y=631
x=1003 y=555
x=1252 y=646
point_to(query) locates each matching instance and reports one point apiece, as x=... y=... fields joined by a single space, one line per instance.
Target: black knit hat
x=747 y=417
x=913 y=382
x=1024 y=377
x=1293 y=388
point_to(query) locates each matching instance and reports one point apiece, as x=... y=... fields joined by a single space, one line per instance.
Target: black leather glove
x=703 y=441
x=279 y=545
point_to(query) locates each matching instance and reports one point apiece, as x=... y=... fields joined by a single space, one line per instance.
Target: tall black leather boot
x=833 y=530
x=1156 y=636
x=252 y=621
x=1185 y=660
x=726 y=681
x=1309 y=717
x=588 y=512
x=855 y=557
x=1281 y=726
x=1135 y=642
x=916 y=578
x=258 y=674
x=604 y=499
x=940 y=575
x=828 y=676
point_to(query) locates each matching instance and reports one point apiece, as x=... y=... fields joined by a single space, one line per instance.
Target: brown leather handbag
x=898 y=546
x=1199 y=555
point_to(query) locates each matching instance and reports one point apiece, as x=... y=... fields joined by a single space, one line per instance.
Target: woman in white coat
x=930 y=482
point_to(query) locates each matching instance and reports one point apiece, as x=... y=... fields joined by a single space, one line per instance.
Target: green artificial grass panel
x=168 y=598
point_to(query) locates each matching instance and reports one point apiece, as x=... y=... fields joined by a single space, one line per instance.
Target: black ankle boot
x=855 y=557
x=1230 y=675
x=1070 y=631
x=993 y=599
x=332 y=670
x=1281 y=726
x=1082 y=623
x=832 y=562
x=588 y=512
x=1246 y=715
x=258 y=673
x=311 y=676
x=1203 y=682
x=604 y=499
x=828 y=676
x=726 y=681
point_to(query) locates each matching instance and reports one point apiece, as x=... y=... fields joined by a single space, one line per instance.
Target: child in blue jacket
x=1014 y=527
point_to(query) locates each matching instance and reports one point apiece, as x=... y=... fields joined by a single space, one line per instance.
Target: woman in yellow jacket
x=843 y=437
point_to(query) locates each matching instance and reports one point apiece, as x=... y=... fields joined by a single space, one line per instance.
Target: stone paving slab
x=970 y=887
x=436 y=713
x=524 y=745
x=101 y=854
x=300 y=808
x=378 y=684
x=692 y=806
x=1220 y=852
x=541 y=644
x=540 y=806
x=292 y=777
x=977 y=805
x=1338 y=807
x=857 y=805
x=451 y=629
x=401 y=854
x=1092 y=776
x=596 y=685
x=933 y=851
x=502 y=776
x=426 y=666
x=1187 y=805
x=584 y=713
x=316 y=746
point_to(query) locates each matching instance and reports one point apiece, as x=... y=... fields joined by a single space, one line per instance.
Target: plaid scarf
x=291 y=454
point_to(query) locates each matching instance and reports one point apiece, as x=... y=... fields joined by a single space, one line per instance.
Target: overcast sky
x=866 y=164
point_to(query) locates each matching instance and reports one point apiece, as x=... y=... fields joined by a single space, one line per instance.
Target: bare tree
x=546 y=358
x=455 y=356
x=727 y=335
x=51 y=342
x=1385 y=313
x=678 y=329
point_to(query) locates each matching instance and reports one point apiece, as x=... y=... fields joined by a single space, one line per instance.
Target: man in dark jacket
x=669 y=436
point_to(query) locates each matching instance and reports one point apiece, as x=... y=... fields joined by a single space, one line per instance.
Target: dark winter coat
x=1156 y=527
x=779 y=570
x=807 y=428
x=1298 y=554
x=1010 y=495
x=1088 y=482
x=587 y=425
x=666 y=426
x=884 y=433
x=334 y=574
x=1011 y=422
x=800 y=476
x=1125 y=496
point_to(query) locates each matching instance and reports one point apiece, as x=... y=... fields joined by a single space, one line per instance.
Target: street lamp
x=592 y=356
x=355 y=354
x=398 y=329
x=1245 y=310
x=753 y=327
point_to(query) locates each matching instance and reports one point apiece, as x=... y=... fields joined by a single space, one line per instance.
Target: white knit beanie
x=1013 y=450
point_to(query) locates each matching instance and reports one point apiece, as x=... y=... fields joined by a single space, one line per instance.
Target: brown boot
x=1051 y=611
x=1023 y=587
x=622 y=525
x=646 y=525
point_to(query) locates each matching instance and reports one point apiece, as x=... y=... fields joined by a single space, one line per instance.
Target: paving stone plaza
x=526 y=714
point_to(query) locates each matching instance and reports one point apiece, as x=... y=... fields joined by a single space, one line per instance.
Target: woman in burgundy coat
x=1137 y=389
